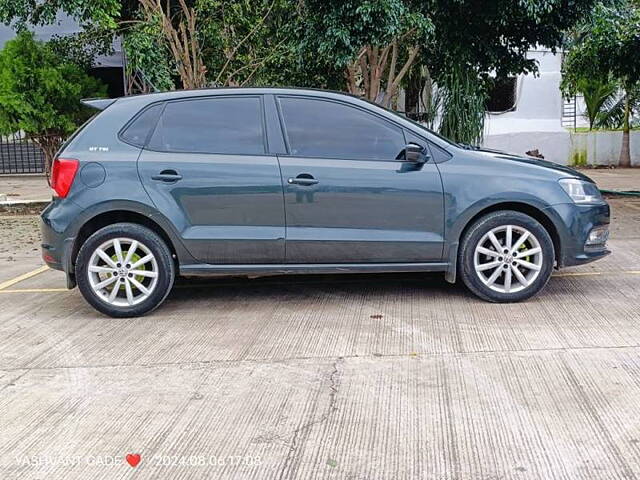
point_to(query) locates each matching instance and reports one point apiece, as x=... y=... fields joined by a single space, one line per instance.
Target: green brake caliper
x=522 y=248
x=134 y=258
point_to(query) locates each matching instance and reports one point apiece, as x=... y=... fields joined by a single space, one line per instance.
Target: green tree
x=609 y=47
x=40 y=93
x=230 y=43
x=598 y=95
x=36 y=12
x=496 y=36
x=460 y=43
x=248 y=42
x=150 y=66
x=374 y=42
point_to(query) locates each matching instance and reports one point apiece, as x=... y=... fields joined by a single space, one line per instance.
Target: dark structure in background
x=17 y=154
x=502 y=95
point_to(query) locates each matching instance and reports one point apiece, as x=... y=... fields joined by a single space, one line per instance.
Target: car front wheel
x=506 y=256
x=125 y=270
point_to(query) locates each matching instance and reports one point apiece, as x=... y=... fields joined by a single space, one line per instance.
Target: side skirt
x=205 y=269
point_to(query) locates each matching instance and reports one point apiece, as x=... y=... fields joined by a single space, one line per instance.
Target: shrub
x=40 y=94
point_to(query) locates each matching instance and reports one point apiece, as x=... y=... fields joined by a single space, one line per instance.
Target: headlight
x=581 y=191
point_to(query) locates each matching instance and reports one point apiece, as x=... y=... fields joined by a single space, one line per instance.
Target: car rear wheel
x=506 y=256
x=125 y=270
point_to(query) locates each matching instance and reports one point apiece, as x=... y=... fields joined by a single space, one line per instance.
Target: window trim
x=258 y=96
x=285 y=133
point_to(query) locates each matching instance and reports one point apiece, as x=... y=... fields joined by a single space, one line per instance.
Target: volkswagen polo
x=265 y=181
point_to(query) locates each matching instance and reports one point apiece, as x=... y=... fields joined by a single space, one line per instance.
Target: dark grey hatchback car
x=265 y=181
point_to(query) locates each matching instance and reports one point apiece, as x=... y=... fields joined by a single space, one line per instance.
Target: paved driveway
x=360 y=377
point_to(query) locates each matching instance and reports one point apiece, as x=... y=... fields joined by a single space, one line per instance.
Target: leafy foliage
x=148 y=57
x=40 y=93
x=495 y=36
x=463 y=106
x=374 y=42
x=249 y=42
x=461 y=42
x=598 y=94
x=608 y=47
x=337 y=30
x=83 y=47
x=613 y=110
x=35 y=12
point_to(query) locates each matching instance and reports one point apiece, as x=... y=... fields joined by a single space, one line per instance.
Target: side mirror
x=415 y=153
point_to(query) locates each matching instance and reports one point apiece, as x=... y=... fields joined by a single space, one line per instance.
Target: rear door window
x=321 y=128
x=227 y=125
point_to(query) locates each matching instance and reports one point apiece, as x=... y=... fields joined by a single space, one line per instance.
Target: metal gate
x=19 y=155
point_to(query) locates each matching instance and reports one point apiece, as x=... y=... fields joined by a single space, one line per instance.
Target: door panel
x=347 y=197
x=227 y=208
x=362 y=211
x=206 y=168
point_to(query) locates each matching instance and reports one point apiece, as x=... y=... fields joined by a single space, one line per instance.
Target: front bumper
x=574 y=223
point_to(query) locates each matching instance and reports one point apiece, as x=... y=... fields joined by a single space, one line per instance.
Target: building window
x=502 y=95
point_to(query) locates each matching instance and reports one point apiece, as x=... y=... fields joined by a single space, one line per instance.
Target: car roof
x=200 y=92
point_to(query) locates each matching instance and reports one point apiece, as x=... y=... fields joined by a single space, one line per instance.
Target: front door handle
x=302 y=179
x=167 y=176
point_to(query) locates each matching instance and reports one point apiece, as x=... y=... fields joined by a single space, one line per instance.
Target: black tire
x=475 y=234
x=147 y=238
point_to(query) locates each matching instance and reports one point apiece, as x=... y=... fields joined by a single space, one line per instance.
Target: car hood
x=533 y=161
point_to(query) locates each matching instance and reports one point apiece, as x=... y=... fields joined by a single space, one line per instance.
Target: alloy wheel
x=123 y=272
x=508 y=258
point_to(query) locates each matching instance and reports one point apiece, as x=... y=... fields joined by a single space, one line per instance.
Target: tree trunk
x=49 y=144
x=364 y=75
x=181 y=39
x=393 y=83
x=413 y=91
x=625 y=151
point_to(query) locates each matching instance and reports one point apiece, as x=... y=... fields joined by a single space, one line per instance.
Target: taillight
x=62 y=174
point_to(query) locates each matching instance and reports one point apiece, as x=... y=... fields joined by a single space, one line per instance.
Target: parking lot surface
x=359 y=377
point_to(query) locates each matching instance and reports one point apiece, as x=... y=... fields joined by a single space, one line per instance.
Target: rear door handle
x=167 y=176
x=302 y=179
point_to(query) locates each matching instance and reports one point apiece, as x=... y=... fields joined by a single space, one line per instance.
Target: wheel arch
x=109 y=217
x=528 y=209
x=537 y=213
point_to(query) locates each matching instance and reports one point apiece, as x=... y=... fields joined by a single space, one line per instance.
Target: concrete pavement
x=360 y=377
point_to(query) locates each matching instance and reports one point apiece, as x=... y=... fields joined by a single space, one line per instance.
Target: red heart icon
x=133 y=459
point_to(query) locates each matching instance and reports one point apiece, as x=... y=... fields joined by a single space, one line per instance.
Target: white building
x=541 y=119
x=535 y=121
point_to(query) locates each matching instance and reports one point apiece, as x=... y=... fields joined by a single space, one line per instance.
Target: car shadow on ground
x=186 y=288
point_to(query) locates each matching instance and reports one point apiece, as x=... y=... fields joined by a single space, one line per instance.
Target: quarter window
x=138 y=131
x=231 y=125
x=319 y=128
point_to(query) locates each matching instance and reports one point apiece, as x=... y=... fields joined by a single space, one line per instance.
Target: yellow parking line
x=577 y=274
x=22 y=277
x=34 y=290
x=585 y=274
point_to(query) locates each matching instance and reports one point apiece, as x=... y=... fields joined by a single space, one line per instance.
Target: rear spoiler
x=98 y=103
